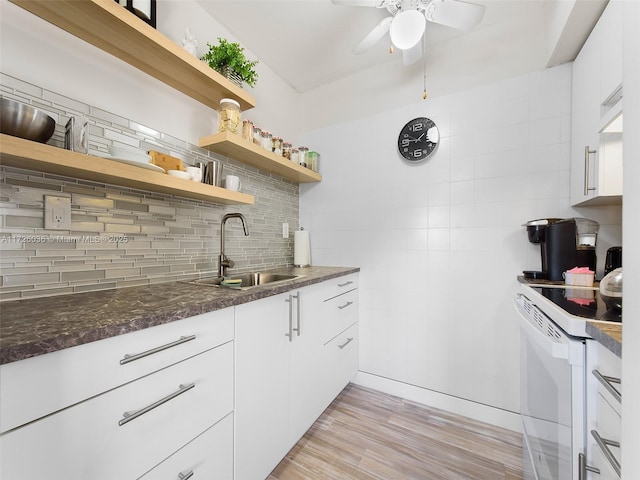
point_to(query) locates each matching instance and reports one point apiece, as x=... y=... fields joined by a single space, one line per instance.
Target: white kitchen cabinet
x=125 y=432
x=208 y=456
x=283 y=383
x=604 y=407
x=41 y=385
x=262 y=385
x=596 y=159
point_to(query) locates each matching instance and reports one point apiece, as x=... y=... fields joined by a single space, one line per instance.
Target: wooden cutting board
x=166 y=161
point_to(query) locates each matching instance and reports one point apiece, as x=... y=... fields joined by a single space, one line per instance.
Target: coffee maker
x=557 y=239
x=586 y=237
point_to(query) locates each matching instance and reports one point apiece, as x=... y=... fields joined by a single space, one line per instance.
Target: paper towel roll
x=301 y=248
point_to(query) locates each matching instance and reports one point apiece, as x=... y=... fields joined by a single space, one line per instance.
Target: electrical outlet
x=57 y=213
x=285 y=230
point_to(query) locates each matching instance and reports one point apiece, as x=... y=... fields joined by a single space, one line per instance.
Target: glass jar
x=312 y=160
x=294 y=155
x=286 y=150
x=302 y=156
x=276 y=145
x=265 y=138
x=257 y=135
x=229 y=117
x=247 y=130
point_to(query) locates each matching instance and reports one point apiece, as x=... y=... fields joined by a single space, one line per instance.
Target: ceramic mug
x=231 y=182
x=195 y=173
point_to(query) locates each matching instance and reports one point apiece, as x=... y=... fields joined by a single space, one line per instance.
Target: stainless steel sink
x=247 y=280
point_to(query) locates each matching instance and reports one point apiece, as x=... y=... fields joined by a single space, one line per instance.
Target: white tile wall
x=440 y=243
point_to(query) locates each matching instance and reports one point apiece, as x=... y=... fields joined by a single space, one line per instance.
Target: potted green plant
x=228 y=59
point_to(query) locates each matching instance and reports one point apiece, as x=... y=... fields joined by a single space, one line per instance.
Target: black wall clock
x=418 y=139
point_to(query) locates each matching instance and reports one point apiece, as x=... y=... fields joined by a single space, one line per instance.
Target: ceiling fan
x=407 y=21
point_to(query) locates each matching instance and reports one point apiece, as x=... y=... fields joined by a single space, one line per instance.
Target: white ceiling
x=308 y=43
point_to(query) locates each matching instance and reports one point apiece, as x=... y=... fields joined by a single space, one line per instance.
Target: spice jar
x=265 y=138
x=294 y=155
x=302 y=156
x=312 y=160
x=256 y=135
x=286 y=150
x=247 y=130
x=276 y=145
x=229 y=117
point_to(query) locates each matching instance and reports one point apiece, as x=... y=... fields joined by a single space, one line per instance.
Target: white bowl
x=129 y=154
x=179 y=174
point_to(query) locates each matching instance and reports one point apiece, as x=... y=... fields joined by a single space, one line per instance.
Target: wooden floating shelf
x=110 y=27
x=238 y=148
x=20 y=153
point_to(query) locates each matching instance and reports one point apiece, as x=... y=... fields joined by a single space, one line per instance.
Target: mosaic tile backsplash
x=122 y=237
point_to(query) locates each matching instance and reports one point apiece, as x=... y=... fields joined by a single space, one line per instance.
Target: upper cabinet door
x=611 y=50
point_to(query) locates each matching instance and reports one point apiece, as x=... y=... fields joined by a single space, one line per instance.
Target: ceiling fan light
x=407 y=28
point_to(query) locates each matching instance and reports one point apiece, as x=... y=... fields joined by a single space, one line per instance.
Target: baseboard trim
x=459 y=406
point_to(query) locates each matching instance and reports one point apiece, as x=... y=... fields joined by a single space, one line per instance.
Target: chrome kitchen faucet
x=223 y=261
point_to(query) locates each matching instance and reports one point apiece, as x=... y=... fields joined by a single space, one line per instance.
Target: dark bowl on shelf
x=25 y=121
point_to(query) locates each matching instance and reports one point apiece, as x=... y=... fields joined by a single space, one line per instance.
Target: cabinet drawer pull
x=128 y=416
x=587 y=152
x=583 y=468
x=349 y=340
x=607 y=382
x=133 y=357
x=290 y=302
x=604 y=445
x=185 y=475
x=345 y=305
x=345 y=283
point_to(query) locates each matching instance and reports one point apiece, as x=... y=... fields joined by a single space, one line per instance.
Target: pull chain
x=424 y=54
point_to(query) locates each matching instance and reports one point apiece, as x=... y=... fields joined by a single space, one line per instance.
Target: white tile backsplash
x=440 y=244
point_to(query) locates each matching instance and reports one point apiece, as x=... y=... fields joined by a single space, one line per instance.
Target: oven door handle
x=547 y=344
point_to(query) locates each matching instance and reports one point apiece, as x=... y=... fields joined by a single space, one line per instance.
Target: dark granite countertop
x=607 y=334
x=43 y=325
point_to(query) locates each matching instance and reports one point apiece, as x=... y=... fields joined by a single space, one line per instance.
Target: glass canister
x=286 y=150
x=302 y=155
x=247 y=130
x=294 y=155
x=265 y=138
x=229 y=117
x=312 y=160
x=257 y=135
x=276 y=145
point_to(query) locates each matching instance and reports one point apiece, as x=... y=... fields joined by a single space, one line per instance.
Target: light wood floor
x=365 y=434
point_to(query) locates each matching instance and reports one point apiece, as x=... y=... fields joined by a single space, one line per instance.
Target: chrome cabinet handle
x=345 y=305
x=608 y=382
x=128 y=416
x=290 y=334
x=604 y=445
x=345 y=283
x=133 y=357
x=583 y=468
x=297 y=329
x=349 y=340
x=587 y=152
x=185 y=475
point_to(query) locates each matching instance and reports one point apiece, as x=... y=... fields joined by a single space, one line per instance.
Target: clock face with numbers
x=418 y=139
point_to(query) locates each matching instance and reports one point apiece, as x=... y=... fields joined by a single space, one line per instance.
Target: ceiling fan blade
x=454 y=13
x=373 y=36
x=412 y=55
x=358 y=3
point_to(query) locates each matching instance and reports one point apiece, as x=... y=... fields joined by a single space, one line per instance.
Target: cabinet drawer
x=210 y=455
x=90 y=440
x=38 y=386
x=339 y=285
x=341 y=355
x=339 y=314
x=608 y=365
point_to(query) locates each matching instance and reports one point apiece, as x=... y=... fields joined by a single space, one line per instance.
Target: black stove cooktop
x=581 y=302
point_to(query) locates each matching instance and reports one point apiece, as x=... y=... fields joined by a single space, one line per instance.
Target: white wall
x=440 y=243
x=37 y=52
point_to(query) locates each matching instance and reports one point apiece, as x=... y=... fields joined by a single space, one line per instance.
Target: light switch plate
x=57 y=213
x=285 y=230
